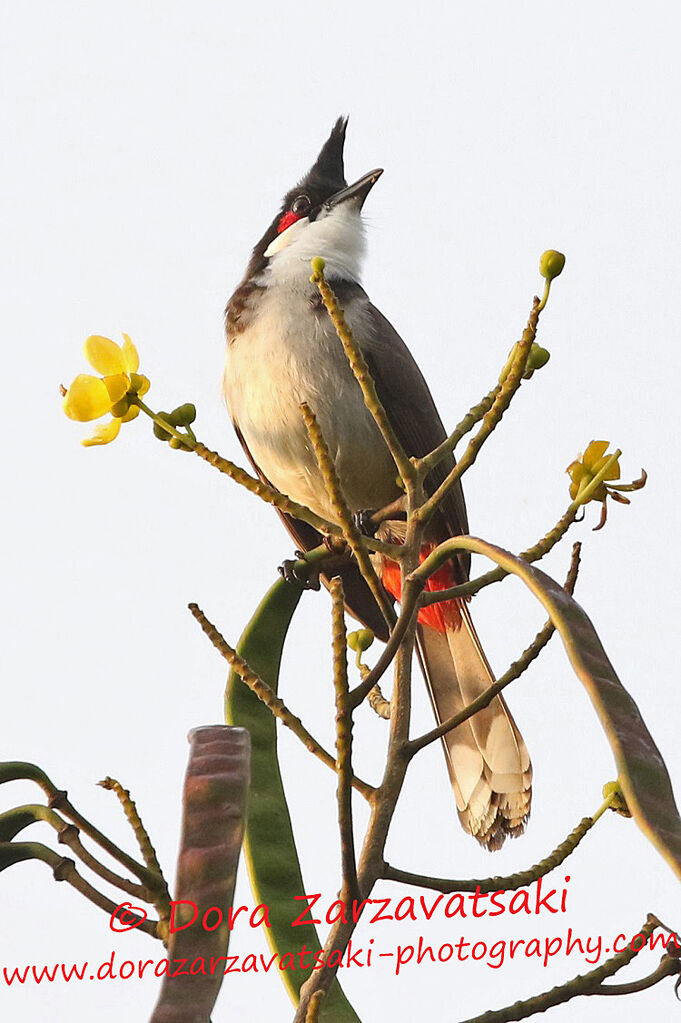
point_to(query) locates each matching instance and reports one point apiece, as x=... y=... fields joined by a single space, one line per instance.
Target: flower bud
x=537 y=358
x=183 y=415
x=177 y=444
x=159 y=431
x=619 y=803
x=360 y=640
x=551 y=264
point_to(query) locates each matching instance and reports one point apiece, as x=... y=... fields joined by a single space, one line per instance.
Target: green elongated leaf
x=642 y=771
x=215 y=792
x=269 y=843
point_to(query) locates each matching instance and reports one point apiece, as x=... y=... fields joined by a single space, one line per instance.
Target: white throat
x=337 y=237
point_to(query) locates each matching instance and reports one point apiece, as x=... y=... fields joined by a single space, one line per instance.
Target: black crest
x=324 y=178
x=327 y=174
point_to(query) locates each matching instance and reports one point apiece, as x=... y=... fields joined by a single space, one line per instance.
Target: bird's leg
x=305 y=576
x=308 y=575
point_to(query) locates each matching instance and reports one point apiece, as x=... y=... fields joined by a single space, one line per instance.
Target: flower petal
x=117 y=386
x=104 y=355
x=594 y=452
x=139 y=383
x=104 y=434
x=132 y=359
x=131 y=414
x=87 y=398
x=575 y=471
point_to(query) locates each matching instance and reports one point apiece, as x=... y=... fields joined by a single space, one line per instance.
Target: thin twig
x=351 y=533
x=265 y=492
x=669 y=967
x=514 y=672
x=349 y=890
x=585 y=984
x=162 y=899
x=359 y=367
x=64 y=869
x=409 y=604
x=473 y=416
x=266 y=695
x=521 y=879
x=487 y=885
x=532 y=554
x=68 y=835
x=385 y=800
x=491 y=419
x=58 y=800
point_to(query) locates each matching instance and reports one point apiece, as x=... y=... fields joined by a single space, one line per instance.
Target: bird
x=281 y=351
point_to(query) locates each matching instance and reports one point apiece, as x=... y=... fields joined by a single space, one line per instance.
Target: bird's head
x=320 y=216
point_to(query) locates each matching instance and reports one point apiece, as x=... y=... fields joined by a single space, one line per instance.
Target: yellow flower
x=584 y=470
x=90 y=397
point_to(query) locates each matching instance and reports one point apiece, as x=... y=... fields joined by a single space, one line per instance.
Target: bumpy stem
x=520 y=879
x=349 y=889
x=586 y=984
x=491 y=419
x=162 y=898
x=359 y=367
x=513 y=673
x=472 y=417
x=351 y=533
x=270 y=699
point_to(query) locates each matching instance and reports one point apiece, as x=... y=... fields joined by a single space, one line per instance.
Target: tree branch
x=349 y=890
x=359 y=367
x=586 y=984
x=514 y=672
x=265 y=694
x=491 y=419
x=351 y=533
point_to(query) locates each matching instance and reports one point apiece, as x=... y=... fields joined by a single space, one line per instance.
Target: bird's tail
x=488 y=762
x=487 y=759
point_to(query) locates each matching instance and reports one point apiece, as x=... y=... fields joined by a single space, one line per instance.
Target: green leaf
x=269 y=843
x=642 y=771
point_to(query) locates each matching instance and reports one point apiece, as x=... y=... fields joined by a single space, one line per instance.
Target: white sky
x=145 y=148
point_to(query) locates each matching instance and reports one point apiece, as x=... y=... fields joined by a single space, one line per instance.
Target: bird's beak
x=359 y=191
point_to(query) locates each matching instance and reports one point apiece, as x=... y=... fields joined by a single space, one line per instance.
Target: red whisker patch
x=286 y=221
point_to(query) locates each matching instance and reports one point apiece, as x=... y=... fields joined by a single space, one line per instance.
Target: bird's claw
x=292 y=573
x=365 y=522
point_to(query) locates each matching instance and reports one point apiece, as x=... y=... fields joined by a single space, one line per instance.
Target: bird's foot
x=305 y=576
x=365 y=522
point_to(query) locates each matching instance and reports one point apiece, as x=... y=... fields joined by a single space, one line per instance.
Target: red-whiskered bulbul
x=282 y=350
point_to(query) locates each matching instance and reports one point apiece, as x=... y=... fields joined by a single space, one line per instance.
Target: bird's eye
x=300 y=205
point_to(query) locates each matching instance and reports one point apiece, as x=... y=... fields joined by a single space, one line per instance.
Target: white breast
x=289 y=355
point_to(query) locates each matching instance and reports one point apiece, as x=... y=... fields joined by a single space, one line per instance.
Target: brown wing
x=407 y=399
x=413 y=416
